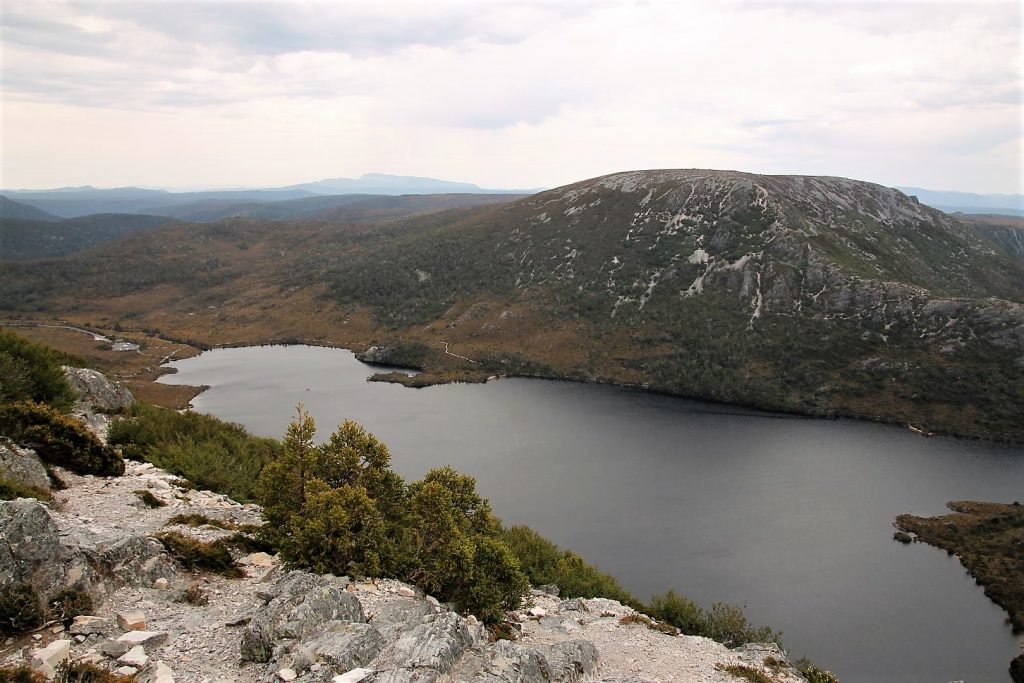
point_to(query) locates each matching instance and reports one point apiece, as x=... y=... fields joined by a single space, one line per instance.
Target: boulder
x=346 y=646
x=131 y=620
x=507 y=662
x=378 y=355
x=130 y=558
x=32 y=551
x=136 y=657
x=353 y=676
x=426 y=651
x=150 y=640
x=155 y=672
x=96 y=392
x=84 y=625
x=46 y=660
x=23 y=466
x=305 y=605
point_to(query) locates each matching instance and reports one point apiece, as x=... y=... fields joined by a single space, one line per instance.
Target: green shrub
x=545 y=563
x=339 y=508
x=59 y=439
x=679 y=611
x=728 y=625
x=645 y=620
x=196 y=519
x=70 y=603
x=214 y=556
x=10 y=489
x=747 y=673
x=20 y=610
x=815 y=675
x=32 y=372
x=211 y=453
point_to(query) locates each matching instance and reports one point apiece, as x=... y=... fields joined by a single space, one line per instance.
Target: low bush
x=679 y=611
x=728 y=625
x=662 y=627
x=747 y=673
x=70 y=603
x=10 y=489
x=211 y=453
x=214 y=556
x=58 y=439
x=815 y=675
x=22 y=673
x=545 y=563
x=21 y=610
x=149 y=499
x=197 y=519
x=87 y=672
x=195 y=594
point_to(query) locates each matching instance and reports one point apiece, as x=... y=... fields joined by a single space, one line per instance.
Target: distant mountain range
x=813 y=295
x=969 y=202
x=71 y=202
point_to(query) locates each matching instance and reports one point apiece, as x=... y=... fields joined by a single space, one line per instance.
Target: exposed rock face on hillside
x=98 y=398
x=156 y=618
x=811 y=294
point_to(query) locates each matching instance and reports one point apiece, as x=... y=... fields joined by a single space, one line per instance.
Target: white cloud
x=509 y=94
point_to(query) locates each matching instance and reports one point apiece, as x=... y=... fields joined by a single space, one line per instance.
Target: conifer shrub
x=33 y=372
x=58 y=439
x=339 y=508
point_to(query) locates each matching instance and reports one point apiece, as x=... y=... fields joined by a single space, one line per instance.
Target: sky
x=508 y=94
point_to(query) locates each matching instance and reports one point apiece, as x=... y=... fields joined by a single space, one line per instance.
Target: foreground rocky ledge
x=272 y=624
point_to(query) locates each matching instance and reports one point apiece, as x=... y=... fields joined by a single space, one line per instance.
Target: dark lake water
x=790 y=516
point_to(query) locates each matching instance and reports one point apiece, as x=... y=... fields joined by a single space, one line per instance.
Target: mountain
x=1006 y=233
x=12 y=209
x=23 y=239
x=83 y=201
x=71 y=202
x=340 y=208
x=812 y=295
x=969 y=202
x=380 y=183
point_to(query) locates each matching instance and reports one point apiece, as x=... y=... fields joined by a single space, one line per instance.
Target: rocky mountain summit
x=260 y=621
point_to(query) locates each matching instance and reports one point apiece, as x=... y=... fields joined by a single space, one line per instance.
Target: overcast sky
x=509 y=95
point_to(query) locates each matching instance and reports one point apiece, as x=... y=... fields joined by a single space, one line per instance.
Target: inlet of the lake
x=791 y=517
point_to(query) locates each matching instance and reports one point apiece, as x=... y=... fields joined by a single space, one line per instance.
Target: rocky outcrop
x=98 y=398
x=22 y=465
x=97 y=392
x=376 y=355
x=33 y=552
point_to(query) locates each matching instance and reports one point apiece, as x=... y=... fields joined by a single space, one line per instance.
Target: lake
x=790 y=516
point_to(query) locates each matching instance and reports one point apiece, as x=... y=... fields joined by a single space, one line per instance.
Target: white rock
x=353 y=676
x=57 y=629
x=79 y=639
x=367 y=588
x=537 y=612
x=156 y=672
x=433 y=601
x=287 y=674
x=131 y=620
x=406 y=591
x=161 y=583
x=150 y=639
x=136 y=657
x=471 y=620
x=126 y=670
x=45 y=660
x=85 y=625
x=258 y=560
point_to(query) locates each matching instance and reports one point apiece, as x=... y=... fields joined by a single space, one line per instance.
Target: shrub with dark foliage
x=59 y=439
